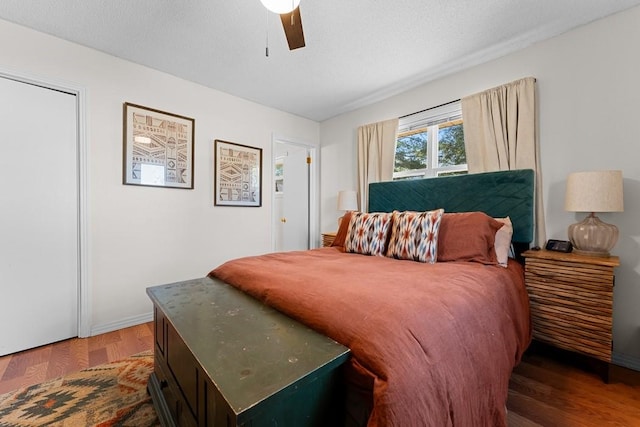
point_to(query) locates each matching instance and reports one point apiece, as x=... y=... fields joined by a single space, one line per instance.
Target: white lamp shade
x=280 y=6
x=597 y=191
x=347 y=200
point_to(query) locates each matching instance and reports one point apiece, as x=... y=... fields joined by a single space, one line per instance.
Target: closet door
x=39 y=248
x=291 y=204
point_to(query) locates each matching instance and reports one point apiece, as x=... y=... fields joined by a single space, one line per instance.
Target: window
x=431 y=143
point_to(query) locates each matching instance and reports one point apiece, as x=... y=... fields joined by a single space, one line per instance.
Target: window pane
x=451 y=145
x=411 y=151
x=430 y=143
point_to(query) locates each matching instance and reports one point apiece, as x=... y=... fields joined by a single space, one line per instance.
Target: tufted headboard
x=498 y=194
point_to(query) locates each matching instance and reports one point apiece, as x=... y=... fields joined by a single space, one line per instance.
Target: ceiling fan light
x=280 y=6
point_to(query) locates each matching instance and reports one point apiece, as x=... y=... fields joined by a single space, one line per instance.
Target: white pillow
x=503 y=241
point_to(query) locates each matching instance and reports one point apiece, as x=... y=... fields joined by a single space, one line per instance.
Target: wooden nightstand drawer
x=572 y=329
x=560 y=272
x=582 y=289
x=571 y=299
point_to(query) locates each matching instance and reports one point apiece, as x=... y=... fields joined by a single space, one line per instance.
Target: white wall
x=589 y=98
x=141 y=236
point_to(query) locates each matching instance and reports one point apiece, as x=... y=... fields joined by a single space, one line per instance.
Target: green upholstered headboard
x=498 y=194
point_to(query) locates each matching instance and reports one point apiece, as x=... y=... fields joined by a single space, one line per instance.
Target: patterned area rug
x=113 y=394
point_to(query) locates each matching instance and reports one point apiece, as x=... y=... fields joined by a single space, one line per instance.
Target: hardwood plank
x=18 y=365
x=32 y=375
x=54 y=360
x=79 y=353
x=35 y=374
x=98 y=356
x=565 y=380
x=4 y=362
x=59 y=360
x=574 y=404
x=548 y=389
x=515 y=420
x=115 y=351
x=137 y=339
x=12 y=384
x=103 y=340
x=538 y=412
x=67 y=356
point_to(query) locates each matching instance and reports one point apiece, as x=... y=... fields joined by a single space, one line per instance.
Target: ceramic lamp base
x=593 y=237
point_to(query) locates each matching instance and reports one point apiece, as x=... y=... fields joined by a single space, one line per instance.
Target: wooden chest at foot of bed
x=223 y=358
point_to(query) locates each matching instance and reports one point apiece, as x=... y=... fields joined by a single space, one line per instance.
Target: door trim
x=84 y=305
x=314 y=226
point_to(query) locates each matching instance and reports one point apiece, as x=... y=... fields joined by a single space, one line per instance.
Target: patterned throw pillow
x=414 y=235
x=368 y=233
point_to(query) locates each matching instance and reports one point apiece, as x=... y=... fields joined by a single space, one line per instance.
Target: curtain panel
x=376 y=156
x=500 y=134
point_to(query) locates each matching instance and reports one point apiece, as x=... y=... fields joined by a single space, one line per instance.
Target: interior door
x=39 y=246
x=292 y=202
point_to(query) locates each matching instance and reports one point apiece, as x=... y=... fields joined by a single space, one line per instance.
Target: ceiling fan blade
x=292 y=24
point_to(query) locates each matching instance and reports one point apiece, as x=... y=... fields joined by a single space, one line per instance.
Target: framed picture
x=238 y=174
x=158 y=148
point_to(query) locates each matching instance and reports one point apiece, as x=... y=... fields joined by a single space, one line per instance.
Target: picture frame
x=158 y=148
x=237 y=174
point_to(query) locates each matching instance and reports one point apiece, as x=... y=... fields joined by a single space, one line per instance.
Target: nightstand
x=327 y=238
x=571 y=300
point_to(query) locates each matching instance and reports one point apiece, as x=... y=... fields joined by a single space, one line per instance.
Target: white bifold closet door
x=39 y=247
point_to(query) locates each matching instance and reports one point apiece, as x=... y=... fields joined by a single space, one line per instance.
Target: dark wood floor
x=543 y=391
x=547 y=390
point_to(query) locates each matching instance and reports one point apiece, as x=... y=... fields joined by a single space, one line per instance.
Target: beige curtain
x=500 y=134
x=376 y=153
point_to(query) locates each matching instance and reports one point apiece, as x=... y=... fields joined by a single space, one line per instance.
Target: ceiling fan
x=289 y=11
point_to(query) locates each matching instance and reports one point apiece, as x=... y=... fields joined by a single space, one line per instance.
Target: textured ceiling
x=358 y=51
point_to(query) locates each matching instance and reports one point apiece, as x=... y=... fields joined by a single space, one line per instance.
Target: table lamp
x=596 y=191
x=347 y=201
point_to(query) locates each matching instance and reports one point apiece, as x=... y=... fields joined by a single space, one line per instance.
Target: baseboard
x=626 y=361
x=121 y=324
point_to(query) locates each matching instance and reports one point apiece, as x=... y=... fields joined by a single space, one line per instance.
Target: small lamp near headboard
x=347 y=201
x=596 y=191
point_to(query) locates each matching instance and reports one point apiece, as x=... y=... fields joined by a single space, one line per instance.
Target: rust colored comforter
x=439 y=341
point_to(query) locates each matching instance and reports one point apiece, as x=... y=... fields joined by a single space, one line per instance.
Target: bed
x=435 y=318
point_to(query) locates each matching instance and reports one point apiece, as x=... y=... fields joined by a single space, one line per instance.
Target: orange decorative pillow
x=368 y=233
x=341 y=234
x=414 y=235
x=468 y=236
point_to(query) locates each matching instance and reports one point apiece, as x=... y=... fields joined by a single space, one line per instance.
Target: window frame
x=430 y=121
